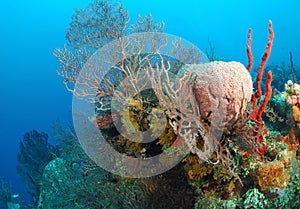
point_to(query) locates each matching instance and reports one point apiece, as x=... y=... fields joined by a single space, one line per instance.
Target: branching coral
x=91 y=28
x=97 y=24
x=146 y=24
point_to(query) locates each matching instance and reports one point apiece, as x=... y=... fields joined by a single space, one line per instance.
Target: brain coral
x=222 y=89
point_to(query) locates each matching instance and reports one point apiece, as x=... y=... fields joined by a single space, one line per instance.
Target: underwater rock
x=222 y=86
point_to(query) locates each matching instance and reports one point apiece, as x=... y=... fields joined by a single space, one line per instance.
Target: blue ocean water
x=34 y=97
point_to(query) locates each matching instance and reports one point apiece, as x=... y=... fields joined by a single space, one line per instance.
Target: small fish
x=143 y=152
x=15 y=195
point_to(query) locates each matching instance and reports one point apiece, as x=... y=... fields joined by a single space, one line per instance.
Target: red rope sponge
x=249 y=52
x=262 y=65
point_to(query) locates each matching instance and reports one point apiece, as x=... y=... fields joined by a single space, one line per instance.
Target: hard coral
x=292 y=91
x=296 y=114
x=292 y=88
x=197 y=170
x=296 y=117
x=272 y=175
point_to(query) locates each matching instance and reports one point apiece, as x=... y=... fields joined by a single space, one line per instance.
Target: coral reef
x=172 y=190
x=34 y=154
x=75 y=181
x=6 y=193
x=64 y=186
x=276 y=113
x=292 y=98
x=253 y=164
x=223 y=172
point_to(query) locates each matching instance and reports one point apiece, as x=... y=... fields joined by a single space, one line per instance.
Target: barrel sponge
x=222 y=89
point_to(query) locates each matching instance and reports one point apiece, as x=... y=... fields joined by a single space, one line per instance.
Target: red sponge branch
x=262 y=65
x=266 y=99
x=260 y=130
x=249 y=52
